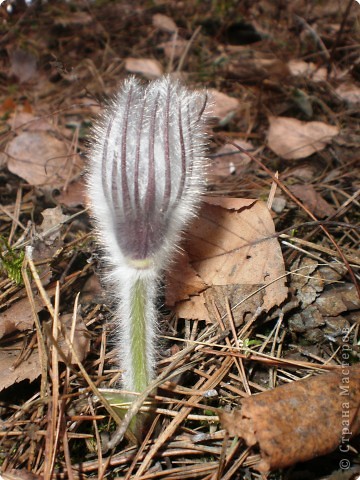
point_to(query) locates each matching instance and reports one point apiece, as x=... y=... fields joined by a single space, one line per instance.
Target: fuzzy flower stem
x=141 y=375
x=145 y=178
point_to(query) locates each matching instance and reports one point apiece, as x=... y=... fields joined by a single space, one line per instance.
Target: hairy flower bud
x=145 y=176
x=146 y=172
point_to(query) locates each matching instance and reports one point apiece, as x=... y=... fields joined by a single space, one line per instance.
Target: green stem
x=138 y=336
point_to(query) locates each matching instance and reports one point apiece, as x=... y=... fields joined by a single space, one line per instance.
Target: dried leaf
x=163 y=22
x=349 y=92
x=28 y=369
x=147 y=67
x=92 y=292
x=184 y=281
x=308 y=70
x=28 y=121
x=229 y=160
x=313 y=200
x=53 y=218
x=18 y=316
x=81 y=343
x=224 y=106
x=39 y=158
x=259 y=69
x=291 y=138
x=49 y=240
x=303 y=172
x=74 y=195
x=232 y=250
x=301 y=420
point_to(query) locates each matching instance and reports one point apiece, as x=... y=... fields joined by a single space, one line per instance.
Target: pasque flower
x=145 y=178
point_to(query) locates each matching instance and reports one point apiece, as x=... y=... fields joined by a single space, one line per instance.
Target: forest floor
x=265 y=297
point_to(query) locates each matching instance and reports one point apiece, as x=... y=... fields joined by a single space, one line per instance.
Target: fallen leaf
x=48 y=240
x=23 y=65
x=300 y=420
x=163 y=22
x=349 y=92
x=18 y=316
x=258 y=69
x=81 y=342
x=184 y=281
x=303 y=172
x=74 y=195
x=229 y=160
x=232 y=249
x=307 y=69
x=147 y=67
x=28 y=121
x=28 y=369
x=224 y=106
x=50 y=228
x=92 y=292
x=291 y=138
x=39 y=158
x=312 y=200
x=193 y=308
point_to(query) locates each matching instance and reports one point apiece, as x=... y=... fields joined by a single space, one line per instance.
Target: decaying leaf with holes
x=301 y=420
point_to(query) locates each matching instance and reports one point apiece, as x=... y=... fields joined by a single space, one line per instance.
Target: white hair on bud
x=145 y=178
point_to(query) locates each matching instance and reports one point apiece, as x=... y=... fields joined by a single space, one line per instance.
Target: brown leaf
x=18 y=316
x=92 y=292
x=50 y=228
x=229 y=160
x=163 y=22
x=224 y=106
x=28 y=121
x=300 y=68
x=49 y=240
x=301 y=420
x=28 y=369
x=291 y=138
x=74 y=195
x=303 y=172
x=231 y=249
x=183 y=281
x=147 y=67
x=39 y=158
x=81 y=343
x=194 y=308
x=258 y=69
x=349 y=92
x=313 y=200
